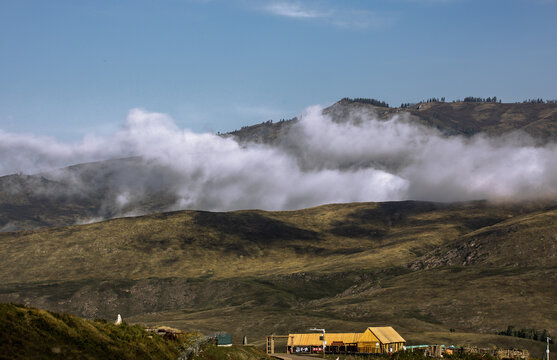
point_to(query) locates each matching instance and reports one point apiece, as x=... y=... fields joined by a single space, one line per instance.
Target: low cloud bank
x=318 y=161
x=433 y=166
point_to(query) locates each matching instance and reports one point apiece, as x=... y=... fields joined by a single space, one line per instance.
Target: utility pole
x=324 y=342
x=547 y=351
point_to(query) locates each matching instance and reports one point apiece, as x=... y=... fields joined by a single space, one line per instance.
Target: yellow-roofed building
x=372 y=340
x=380 y=339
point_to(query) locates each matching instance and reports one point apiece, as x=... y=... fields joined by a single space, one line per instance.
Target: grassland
x=235 y=352
x=422 y=267
x=30 y=333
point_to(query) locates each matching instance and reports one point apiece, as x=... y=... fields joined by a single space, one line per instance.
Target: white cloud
x=338 y=16
x=319 y=161
x=294 y=10
x=435 y=167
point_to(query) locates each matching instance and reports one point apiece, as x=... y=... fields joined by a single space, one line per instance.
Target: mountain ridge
x=451 y=118
x=109 y=189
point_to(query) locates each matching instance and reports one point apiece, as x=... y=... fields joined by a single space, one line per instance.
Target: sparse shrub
x=29 y=333
x=531 y=334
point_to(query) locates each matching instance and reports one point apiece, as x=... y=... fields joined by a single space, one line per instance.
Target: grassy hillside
x=235 y=352
x=192 y=244
x=421 y=267
x=463 y=118
x=29 y=333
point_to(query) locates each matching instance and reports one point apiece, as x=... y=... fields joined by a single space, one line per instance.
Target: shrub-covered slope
x=418 y=266
x=29 y=333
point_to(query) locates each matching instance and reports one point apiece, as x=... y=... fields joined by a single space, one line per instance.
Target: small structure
x=166 y=332
x=313 y=342
x=380 y=340
x=118 y=320
x=224 y=340
x=436 y=351
x=372 y=340
x=270 y=340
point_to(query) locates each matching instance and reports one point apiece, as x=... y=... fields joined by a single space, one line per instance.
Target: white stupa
x=118 y=320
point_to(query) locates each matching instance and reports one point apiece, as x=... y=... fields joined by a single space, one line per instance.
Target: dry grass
x=342 y=266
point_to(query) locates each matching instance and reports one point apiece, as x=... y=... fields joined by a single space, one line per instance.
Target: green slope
x=29 y=333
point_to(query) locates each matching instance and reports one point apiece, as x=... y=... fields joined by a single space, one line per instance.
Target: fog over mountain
x=316 y=161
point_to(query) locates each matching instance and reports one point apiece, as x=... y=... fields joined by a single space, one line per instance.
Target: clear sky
x=72 y=67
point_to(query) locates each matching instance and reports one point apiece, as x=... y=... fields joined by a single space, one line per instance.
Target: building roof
x=313 y=339
x=386 y=334
x=224 y=339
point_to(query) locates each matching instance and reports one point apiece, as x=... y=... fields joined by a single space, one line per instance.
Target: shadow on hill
x=253 y=227
x=377 y=221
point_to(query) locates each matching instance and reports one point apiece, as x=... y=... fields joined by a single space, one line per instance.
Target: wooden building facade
x=372 y=340
x=380 y=340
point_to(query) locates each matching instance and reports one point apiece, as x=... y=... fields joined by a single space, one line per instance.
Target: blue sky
x=69 y=68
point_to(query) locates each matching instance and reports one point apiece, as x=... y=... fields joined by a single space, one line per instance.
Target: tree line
x=470 y=99
x=480 y=99
x=539 y=101
x=373 y=102
x=442 y=99
x=531 y=334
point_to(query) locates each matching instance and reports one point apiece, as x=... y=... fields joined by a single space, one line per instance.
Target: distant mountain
x=83 y=193
x=134 y=186
x=451 y=118
x=419 y=266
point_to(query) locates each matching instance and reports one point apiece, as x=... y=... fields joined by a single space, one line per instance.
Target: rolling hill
x=422 y=267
